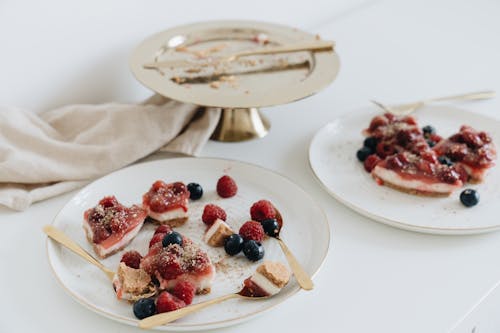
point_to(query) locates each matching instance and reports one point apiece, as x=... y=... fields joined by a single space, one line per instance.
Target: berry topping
x=363 y=153
x=167 y=302
x=233 y=244
x=261 y=210
x=156 y=239
x=195 y=191
x=371 y=161
x=431 y=143
x=163 y=229
x=445 y=160
x=185 y=291
x=252 y=230
x=168 y=265
x=371 y=143
x=172 y=238
x=271 y=227
x=469 y=197
x=162 y=197
x=226 y=187
x=211 y=213
x=145 y=307
x=253 y=250
x=132 y=259
x=428 y=130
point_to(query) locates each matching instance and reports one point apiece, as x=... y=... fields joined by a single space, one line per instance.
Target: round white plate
x=309 y=240
x=332 y=156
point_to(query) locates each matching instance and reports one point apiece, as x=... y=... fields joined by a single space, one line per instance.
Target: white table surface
x=376 y=278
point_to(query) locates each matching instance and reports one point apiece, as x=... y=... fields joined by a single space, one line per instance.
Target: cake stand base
x=240 y=124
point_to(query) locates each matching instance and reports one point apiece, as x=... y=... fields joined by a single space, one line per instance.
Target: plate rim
x=49 y=243
x=452 y=231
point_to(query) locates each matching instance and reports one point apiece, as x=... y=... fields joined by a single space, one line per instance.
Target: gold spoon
x=301 y=275
x=167 y=317
x=64 y=240
x=404 y=109
x=318 y=45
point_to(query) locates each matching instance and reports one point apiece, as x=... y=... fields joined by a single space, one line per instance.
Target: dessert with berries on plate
x=269 y=279
x=110 y=226
x=399 y=154
x=471 y=149
x=173 y=258
x=167 y=203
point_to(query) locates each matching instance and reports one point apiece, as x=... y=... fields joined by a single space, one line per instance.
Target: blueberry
x=145 y=307
x=253 y=250
x=445 y=160
x=363 y=153
x=195 y=191
x=172 y=238
x=233 y=244
x=431 y=143
x=271 y=227
x=428 y=130
x=370 y=142
x=469 y=197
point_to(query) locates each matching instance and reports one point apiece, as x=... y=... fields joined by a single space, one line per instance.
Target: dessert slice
x=269 y=279
x=392 y=134
x=132 y=283
x=110 y=226
x=417 y=174
x=167 y=203
x=175 y=259
x=470 y=149
x=217 y=233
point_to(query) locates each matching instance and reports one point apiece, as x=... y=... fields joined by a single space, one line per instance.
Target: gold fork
x=404 y=109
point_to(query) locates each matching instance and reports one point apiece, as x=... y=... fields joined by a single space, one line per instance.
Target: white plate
x=309 y=240
x=332 y=156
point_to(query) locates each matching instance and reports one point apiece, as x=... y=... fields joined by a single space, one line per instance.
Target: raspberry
x=371 y=161
x=184 y=291
x=163 y=229
x=262 y=210
x=156 y=238
x=132 y=259
x=226 y=187
x=252 y=230
x=167 y=302
x=168 y=266
x=211 y=213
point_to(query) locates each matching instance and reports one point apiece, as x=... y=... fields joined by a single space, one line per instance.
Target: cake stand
x=196 y=73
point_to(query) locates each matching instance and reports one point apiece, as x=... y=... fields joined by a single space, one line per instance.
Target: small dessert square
x=217 y=233
x=269 y=278
x=175 y=258
x=110 y=226
x=167 y=203
x=132 y=284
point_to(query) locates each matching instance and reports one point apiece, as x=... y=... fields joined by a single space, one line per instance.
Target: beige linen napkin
x=43 y=155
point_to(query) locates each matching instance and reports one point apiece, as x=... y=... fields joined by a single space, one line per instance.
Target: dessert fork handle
x=302 y=277
x=463 y=97
x=167 y=317
x=64 y=240
x=316 y=45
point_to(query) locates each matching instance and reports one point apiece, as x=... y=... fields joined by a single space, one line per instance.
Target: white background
x=376 y=278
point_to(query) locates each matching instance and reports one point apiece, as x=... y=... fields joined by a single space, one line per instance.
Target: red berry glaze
x=262 y=210
x=371 y=161
x=211 y=213
x=226 y=187
x=156 y=238
x=132 y=259
x=163 y=229
x=252 y=230
x=167 y=302
x=184 y=291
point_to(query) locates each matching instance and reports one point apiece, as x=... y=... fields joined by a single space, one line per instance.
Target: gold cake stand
x=195 y=71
